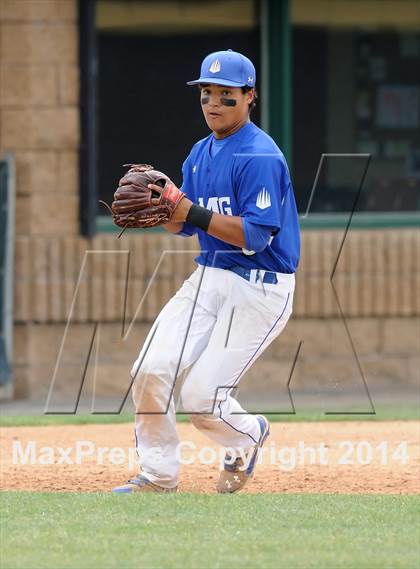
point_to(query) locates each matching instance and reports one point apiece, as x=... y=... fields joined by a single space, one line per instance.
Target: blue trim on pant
x=242 y=372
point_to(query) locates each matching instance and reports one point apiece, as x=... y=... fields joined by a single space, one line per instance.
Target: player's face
x=225 y=109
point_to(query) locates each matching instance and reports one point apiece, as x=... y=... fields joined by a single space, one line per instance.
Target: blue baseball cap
x=228 y=68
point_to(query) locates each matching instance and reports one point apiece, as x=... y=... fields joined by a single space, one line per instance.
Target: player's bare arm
x=228 y=228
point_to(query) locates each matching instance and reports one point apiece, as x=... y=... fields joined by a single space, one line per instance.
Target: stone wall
x=387 y=350
x=39 y=126
x=377 y=279
x=39 y=111
x=376 y=282
x=377 y=274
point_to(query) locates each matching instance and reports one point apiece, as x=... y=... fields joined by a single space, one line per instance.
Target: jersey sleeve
x=256 y=236
x=262 y=184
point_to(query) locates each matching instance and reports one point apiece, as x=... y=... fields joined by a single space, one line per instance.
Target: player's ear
x=251 y=95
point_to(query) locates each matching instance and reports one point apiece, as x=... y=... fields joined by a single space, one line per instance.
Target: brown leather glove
x=136 y=205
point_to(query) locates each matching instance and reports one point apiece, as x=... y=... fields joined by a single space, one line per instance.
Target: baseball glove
x=136 y=205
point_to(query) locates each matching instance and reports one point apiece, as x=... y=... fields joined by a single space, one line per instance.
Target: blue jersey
x=248 y=177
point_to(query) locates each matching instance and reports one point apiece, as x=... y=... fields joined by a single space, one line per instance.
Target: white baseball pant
x=217 y=324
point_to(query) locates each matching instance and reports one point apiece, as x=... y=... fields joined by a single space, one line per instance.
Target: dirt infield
x=356 y=457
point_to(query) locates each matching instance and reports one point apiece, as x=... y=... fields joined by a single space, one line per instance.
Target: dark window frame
x=88 y=118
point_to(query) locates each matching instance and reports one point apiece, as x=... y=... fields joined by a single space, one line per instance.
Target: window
x=356 y=89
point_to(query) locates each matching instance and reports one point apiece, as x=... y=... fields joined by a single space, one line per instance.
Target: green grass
x=45 y=420
x=192 y=531
x=403 y=413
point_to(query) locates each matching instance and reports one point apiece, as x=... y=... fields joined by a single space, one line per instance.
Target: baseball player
x=238 y=198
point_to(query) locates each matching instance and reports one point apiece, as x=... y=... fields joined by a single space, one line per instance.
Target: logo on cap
x=215 y=66
x=250 y=79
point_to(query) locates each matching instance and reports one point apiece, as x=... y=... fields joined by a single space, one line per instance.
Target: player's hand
x=181 y=210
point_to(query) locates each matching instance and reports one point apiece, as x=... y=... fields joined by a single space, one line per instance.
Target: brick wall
x=377 y=283
x=39 y=114
x=387 y=350
x=377 y=279
x=378 y=274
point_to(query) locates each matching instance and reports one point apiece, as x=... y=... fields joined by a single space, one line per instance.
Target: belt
x=255 y=275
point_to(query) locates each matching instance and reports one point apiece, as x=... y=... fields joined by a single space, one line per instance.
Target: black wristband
x=199 y=216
